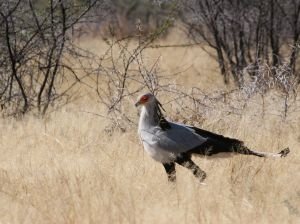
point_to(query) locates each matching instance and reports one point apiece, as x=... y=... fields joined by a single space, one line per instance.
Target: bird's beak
x=137 y=104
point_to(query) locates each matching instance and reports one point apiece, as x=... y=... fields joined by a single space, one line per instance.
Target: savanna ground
x=72 y=167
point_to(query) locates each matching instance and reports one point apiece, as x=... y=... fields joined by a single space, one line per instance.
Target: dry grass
x=68 y=169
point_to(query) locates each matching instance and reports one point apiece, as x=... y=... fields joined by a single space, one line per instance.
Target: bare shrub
x=132 y=73
x=35 y=43
x=243 y=33
x=124 y=70
x=265 y=78
x=280 y=77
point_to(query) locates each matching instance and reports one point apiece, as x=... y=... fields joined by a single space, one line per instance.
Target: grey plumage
x=176 y=139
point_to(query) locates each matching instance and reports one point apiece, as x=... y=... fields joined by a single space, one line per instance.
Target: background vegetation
x=70 y=72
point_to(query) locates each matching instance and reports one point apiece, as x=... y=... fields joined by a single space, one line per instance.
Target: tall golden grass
x=68 y=168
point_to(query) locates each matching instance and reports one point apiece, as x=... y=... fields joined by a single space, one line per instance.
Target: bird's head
x=145 y=99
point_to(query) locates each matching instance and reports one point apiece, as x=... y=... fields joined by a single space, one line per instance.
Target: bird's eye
x=144 y=98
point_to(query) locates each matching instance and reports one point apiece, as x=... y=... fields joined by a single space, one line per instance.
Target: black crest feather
x=162 y=122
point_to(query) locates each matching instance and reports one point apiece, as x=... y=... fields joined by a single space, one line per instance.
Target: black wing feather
x=215 y=143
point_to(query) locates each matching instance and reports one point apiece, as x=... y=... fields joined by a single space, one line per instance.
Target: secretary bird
x=169 y=143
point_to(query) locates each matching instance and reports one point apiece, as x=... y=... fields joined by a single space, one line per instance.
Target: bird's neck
x=149 y=117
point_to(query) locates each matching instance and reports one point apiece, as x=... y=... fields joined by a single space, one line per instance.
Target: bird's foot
x=172 y=178
x=201 y=175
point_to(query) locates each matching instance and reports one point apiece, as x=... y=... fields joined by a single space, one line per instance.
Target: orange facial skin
x=142 y=100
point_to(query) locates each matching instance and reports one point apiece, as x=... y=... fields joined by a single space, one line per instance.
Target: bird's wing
x=177 y=139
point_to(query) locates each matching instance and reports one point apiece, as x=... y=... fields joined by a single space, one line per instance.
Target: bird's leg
x=171 y=172
x=188 y=163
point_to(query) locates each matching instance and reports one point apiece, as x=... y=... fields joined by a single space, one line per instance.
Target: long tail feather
x=218 y=144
